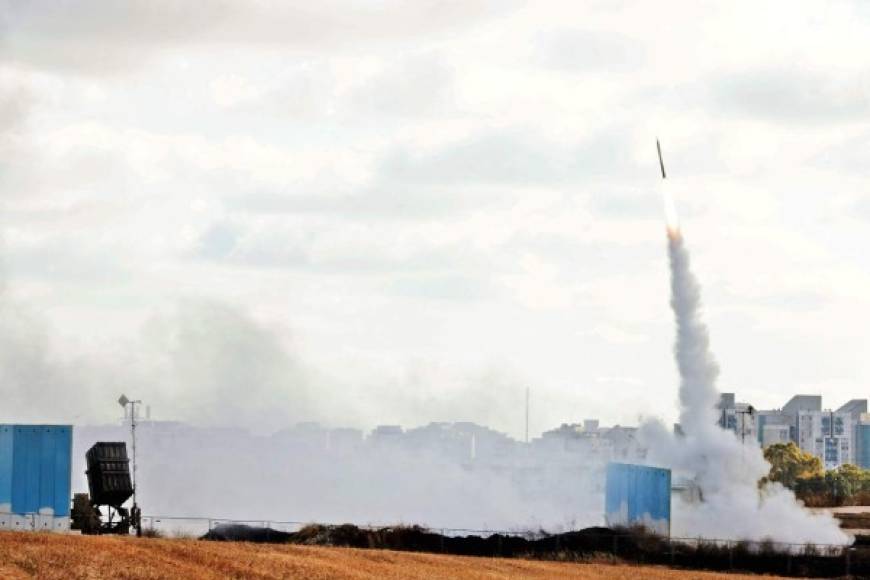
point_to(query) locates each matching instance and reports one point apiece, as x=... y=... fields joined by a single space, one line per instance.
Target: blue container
x=6 y=440
x=638 y=495
x=35 y=469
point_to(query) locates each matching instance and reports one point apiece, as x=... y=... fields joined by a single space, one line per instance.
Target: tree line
x=804 y=473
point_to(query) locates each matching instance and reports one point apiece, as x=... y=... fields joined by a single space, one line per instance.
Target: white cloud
x=233 y=90
x=103 y=36
x=457 y=184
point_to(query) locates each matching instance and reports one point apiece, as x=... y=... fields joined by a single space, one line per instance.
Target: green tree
x=846 y=481
x=789 y=464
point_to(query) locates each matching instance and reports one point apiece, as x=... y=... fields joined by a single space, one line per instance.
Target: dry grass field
x=68 y=557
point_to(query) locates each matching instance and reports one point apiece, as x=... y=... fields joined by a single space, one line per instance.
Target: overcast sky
x=372 y=212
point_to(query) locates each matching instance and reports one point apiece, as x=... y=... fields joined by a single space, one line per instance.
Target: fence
x=820 y=560
x=197 y=526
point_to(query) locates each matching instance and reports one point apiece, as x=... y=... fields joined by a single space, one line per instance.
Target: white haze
x=213 y=362
x=241 y=387
x=726 y=470
x=303 y=475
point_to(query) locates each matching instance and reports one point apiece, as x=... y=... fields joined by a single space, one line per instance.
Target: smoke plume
x=698 y=369
x=724 y=470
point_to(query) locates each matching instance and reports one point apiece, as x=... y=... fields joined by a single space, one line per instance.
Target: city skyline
x=802 y=420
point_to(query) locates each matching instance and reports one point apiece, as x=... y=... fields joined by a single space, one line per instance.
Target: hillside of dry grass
x=68 y=557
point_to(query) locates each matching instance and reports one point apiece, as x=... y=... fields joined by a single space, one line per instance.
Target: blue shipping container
x=6 y=468
x=35 y=469
x=638 y=495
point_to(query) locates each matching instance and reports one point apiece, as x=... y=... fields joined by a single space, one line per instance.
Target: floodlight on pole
x=124 y=401
x=750 y=410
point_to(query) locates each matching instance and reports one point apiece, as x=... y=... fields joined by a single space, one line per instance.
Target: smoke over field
x=726 y=470
x=199 y=472
x=313 y=474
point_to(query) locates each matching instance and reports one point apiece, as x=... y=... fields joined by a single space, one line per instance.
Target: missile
x=661 y=163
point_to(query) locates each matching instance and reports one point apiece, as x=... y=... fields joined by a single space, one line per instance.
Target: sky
x=400 y=212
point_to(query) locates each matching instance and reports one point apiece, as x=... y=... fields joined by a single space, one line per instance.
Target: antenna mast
x=527 y=415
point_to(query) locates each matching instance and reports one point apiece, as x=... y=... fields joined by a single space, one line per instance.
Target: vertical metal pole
x=133 y=437
x=527 y=415
x=135 y=511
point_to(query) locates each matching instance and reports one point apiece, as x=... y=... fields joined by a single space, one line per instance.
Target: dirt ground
x=56 y=556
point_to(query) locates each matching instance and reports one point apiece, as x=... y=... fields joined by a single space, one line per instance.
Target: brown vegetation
x=854 y=521
x=51 y=556
x=633 y=545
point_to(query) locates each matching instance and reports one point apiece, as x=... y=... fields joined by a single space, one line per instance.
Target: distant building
x=862 y=441
x=835 y=437
x=386 y=435
x=773 y=434
x=737 y=417
x=831 y=435
x=855 y=407
x=462 y=441
x=344 y=439
x=802 y=403
x=774 y=427
x=623 y=443
x=592 y=441
x=828 y=435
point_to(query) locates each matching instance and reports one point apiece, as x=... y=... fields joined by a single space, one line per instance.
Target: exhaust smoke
x=725 y=470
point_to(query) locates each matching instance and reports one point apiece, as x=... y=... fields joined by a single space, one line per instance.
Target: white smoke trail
x=726 y=471
x=698 y=370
